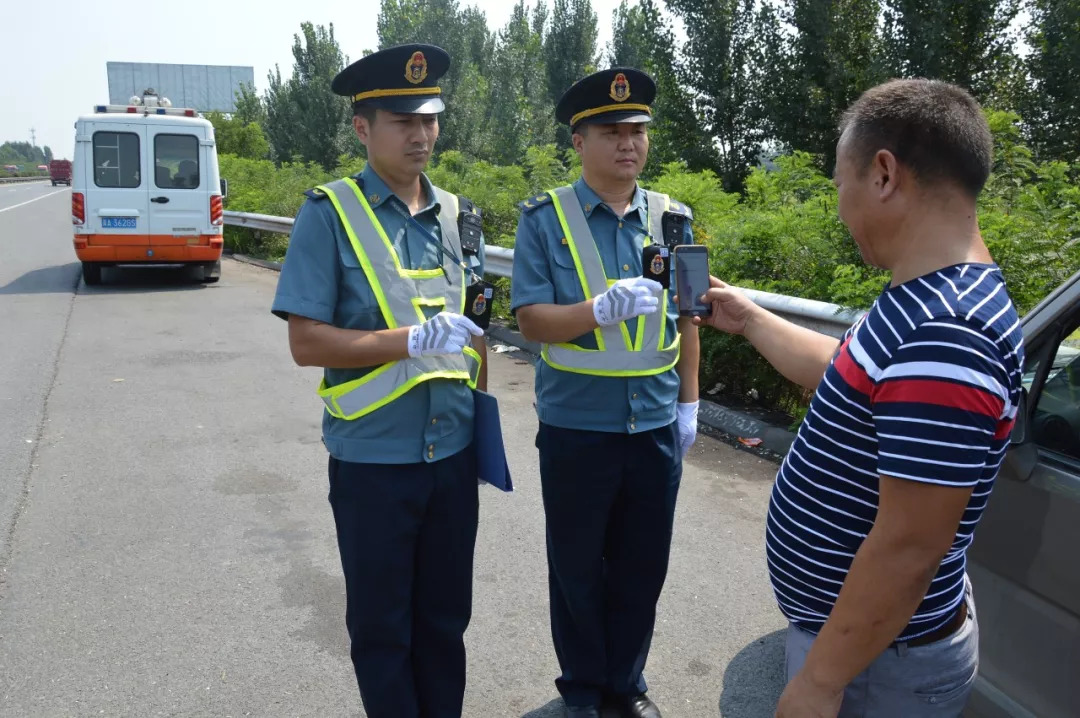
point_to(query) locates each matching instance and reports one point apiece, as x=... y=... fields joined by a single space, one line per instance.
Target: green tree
x=569 y=51
x=643 y=38
x=465 y=36
x=249 y=106
x=304 y=118
x=833 y=60
x=718 y=69
x=1052 y=107
x=521 y=114
x=236 y=137
x=967 y=43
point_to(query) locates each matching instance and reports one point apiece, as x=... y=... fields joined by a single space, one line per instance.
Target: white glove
x=686 y=415
x=625 y=299
x=444 y=333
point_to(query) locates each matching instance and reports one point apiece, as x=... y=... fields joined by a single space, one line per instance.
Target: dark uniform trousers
x=406 y=533
x=609 y=504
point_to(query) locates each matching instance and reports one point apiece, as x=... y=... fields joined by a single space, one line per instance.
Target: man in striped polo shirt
x=877 y=501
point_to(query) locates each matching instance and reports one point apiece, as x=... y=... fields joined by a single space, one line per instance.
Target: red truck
x=60 y=172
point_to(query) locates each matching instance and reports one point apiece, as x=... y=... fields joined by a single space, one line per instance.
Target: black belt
x=951 y=626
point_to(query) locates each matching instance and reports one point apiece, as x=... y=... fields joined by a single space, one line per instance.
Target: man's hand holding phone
x=731 y=309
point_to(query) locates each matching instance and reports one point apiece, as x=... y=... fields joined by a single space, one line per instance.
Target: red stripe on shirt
x=1004 y=430
x=854 y=375
x=939 y=393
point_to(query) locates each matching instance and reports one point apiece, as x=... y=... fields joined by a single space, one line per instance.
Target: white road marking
x=35 y=199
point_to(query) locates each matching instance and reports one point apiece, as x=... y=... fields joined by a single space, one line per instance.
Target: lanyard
x=431 y=239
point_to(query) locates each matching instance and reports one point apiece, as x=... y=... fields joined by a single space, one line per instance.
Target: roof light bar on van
x=135 y=109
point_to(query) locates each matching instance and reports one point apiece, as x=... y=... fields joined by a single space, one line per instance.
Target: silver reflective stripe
x=399 y=374
x=658 y=204
x=401 y=291
x=615 y=357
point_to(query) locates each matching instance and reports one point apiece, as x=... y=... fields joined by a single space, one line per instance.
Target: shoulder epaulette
x=315 y=193
x=532 y=203
x=679 y=208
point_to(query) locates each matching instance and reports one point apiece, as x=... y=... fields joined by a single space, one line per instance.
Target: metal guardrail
x=8 y=180
x=823 y=317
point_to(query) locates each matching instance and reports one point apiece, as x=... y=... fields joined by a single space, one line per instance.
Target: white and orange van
x=146 y=189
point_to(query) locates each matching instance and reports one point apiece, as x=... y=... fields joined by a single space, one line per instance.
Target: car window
x=1056 y=422
x=176 y=161
x=116 y=159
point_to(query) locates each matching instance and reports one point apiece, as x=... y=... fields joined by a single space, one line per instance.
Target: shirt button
x=633 y=427
x=434 y=422
x=634 y=396
x=626 y=267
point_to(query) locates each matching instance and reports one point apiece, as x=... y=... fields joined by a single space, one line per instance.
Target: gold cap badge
x=416 y=68
x=620 y=88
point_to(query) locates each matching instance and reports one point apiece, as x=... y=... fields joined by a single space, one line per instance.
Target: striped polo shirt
x=924 y=388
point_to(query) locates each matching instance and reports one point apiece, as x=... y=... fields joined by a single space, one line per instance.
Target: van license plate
x=118 y=222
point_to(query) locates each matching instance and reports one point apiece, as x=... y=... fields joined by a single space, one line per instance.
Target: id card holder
x=656 y=264
x=478 y=300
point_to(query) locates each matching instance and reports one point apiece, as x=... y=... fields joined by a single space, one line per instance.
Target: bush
x=783 y=236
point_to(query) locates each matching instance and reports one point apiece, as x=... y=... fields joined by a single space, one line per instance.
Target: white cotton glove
x=444 y=333
x=686 y=414
x=626 y=299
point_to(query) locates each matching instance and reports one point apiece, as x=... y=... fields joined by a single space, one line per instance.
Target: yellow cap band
x=608 y=108
x=404 y=91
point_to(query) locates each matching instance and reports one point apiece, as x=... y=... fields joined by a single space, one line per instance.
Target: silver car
x=1025 y=561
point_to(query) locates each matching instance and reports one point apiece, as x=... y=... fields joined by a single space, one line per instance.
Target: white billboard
x=205 y=88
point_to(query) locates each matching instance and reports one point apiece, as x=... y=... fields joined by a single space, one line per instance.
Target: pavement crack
x=23 y=489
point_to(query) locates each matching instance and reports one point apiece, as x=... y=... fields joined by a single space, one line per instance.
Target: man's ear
x=360 y=125
x=579 y=141
x=886 y=171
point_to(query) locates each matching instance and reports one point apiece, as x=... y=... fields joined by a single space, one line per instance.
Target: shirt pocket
x=564 y=275
x=356 y=297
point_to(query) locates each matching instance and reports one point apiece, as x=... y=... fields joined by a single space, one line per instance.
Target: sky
x=55 y=56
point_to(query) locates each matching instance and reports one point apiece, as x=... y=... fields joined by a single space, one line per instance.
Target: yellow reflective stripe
x=412 y=273
x=577 y=259
x=332 y=393
x=663 y=329
x=609 y=372
x=365 y=263
x=640 y=338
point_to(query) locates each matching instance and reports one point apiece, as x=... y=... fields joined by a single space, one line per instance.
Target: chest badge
x=657 y=265
x=479 y=305
x=620 y=88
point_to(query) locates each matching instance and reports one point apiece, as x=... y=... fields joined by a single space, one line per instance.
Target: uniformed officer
x=616 y=391
x=373 y=289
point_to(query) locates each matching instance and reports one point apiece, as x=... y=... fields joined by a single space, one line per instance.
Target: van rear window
x=176 y=161
x=116 y=159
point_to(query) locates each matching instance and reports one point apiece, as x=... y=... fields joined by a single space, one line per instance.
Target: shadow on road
x=143 y=280
x=556 y=709
x=755 y=679
x=61 y=279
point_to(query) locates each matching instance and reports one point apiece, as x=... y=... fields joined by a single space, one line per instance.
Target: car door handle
x=159 y=200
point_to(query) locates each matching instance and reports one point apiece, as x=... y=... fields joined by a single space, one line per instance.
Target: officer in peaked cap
x=616 y=391
x=398 y=423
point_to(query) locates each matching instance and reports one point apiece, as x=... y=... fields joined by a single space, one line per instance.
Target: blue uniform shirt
x=322 y=279
x=544 y=273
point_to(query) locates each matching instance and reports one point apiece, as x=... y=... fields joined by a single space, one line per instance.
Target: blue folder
x=488 y=439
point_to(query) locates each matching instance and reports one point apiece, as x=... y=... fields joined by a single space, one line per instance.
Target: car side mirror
x=224 y=188
x=1023 y=454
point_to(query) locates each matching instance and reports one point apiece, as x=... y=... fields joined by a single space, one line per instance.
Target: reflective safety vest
x=402 y=294
x=616 y=354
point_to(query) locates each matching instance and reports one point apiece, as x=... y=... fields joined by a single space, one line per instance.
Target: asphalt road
x=166 y=546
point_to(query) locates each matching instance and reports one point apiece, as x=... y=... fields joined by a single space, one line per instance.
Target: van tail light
x=78 y=208
x=217 y=210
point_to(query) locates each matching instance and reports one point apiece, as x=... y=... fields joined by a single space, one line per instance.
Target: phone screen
x=692 y=279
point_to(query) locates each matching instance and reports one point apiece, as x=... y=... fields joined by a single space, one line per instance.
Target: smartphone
x=478 y=300
x=692 y=279
x=656 y=264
